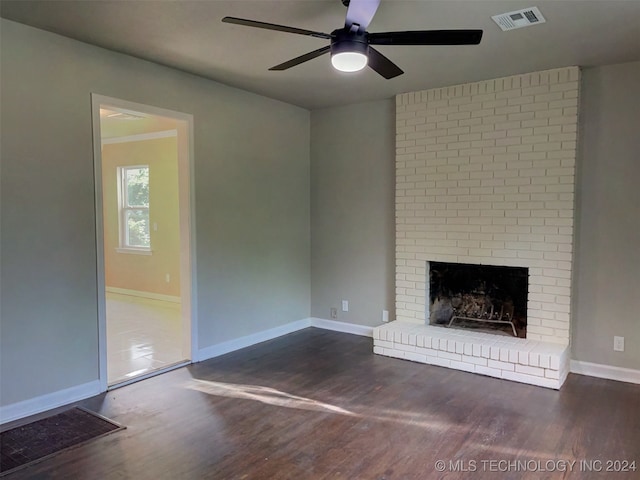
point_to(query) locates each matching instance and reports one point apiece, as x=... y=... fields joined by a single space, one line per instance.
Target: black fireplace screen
x=484 y=297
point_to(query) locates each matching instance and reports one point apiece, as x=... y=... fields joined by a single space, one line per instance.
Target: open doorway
x=144 y=234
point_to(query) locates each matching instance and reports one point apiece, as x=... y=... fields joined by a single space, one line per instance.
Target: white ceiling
x=189 y=35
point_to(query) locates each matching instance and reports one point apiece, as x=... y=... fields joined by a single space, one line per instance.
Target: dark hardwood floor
x=318 y=404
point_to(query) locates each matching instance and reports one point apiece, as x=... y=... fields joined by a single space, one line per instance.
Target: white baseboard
x=605 y=371
x=139 y=293
x=15 y=411
x=243 y=342
x=42 y=403
x=342 y=327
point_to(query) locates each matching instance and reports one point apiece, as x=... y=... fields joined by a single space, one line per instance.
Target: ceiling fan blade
x=382 y=65
x=427 y=37
x=272 y=26
x=361 y=12
x=302 y=58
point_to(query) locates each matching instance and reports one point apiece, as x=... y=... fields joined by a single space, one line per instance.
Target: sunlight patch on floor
x=267 y=395
x=271 y=396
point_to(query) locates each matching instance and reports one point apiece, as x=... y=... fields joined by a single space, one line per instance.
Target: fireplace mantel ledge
x=516 y=359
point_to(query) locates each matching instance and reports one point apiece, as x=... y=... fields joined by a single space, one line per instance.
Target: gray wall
x=252 y=205
x=352 y=211
x=352 y=222
x=607 y=274
x=252 y=176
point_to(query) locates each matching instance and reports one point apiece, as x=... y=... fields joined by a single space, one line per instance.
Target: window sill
x=134 y=251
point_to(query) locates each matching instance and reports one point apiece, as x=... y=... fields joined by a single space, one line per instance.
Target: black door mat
x=33 y=442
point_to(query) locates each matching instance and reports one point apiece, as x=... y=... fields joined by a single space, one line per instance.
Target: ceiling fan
x=351 y=46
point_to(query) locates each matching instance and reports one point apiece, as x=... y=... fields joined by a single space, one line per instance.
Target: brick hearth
x=527 y=361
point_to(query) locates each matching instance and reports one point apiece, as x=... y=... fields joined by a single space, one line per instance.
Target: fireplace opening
x=480 y=297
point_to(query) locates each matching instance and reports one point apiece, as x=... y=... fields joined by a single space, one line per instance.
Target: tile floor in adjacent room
x=142 y=335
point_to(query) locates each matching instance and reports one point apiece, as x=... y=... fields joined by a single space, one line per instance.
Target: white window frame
x=123 y=208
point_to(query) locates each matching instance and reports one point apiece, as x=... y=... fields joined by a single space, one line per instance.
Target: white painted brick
x=441 y=362
x=390 y=352
x=552 y=374
x=491 y=372
x=544 y=360
x=509 y=93
x=538 y=372
x=501 y=365
x=426 y=351
x=538 y=90
x=513 y=356
x=404 y=348
x=464 y=336
x=465 y=367
x=415 y=357
x=520 y=99
x=450 y=356
x=474 y=360
x=530 y=379
x=523 y=357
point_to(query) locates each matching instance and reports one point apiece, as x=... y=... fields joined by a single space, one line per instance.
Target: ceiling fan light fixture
x=349 y=52
x=349 y=61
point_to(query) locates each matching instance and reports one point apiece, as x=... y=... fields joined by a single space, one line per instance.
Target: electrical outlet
x=167 y=278
x=334 y=313
x=345 y=305
x=385 y=315
x=618 y=344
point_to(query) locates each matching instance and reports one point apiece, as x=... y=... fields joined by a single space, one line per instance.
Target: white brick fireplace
x=485 y=176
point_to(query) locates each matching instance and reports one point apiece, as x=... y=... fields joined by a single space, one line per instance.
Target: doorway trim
x=187 y=226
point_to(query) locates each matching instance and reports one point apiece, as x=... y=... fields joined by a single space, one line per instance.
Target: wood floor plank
x=319 y=405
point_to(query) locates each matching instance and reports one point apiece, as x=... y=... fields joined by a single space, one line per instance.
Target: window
x=133 y=201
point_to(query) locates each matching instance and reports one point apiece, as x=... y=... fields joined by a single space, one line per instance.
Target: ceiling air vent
x=519 y=18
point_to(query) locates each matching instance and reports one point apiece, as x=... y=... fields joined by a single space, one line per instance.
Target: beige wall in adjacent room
x=607 y=274
x=352 y=211
x=144 y=273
